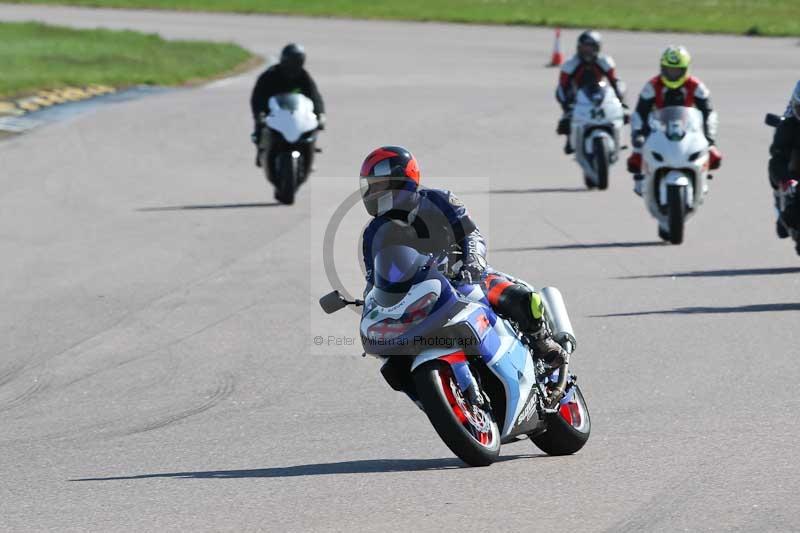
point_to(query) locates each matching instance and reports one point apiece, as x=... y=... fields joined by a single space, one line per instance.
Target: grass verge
x=753 y=17
x=37 y=56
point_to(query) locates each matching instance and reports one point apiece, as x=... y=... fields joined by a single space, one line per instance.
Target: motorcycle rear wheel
x=469 y=431
x=568 y=430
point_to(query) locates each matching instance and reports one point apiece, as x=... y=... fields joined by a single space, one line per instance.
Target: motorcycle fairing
x=513 y=365
x=292 y=115
x=675 y=153
x=492 y=339
x=596 y=117
x=505 y=356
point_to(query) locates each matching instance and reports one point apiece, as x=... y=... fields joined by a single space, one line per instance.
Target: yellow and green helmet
x=675 y=66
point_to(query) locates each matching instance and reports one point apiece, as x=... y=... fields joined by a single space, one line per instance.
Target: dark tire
x=566 y=434
x=302 y=171
x=446 y=413
x=600 y=163
x=676 y=212
x=286 y=176
x=269 y=172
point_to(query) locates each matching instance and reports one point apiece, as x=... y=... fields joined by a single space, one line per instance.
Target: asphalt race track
x=157 y=369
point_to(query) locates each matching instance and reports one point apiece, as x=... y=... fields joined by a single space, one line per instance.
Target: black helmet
x=293 y=57
x=589 y=43
x=389 y=181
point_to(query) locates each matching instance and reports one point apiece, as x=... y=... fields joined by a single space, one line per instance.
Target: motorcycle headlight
x=415 y=313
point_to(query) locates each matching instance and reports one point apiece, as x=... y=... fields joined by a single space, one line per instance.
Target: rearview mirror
x=332 y=302
x=773 y=120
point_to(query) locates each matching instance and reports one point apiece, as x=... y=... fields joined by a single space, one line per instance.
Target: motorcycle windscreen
x=397 y=268
x=287 y=101
x=594 y=91
x=676 y=121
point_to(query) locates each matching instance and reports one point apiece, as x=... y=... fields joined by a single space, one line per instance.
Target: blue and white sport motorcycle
x=471 y=371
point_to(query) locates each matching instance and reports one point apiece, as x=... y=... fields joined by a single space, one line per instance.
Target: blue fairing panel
x=512 y=364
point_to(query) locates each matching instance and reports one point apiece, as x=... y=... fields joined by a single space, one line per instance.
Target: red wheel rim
x=474 y=419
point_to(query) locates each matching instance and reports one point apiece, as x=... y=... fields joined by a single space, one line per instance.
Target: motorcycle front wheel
x=470 y=431
x=568 y=429
x=287 y=170
x=600 y=163
x=676 y=212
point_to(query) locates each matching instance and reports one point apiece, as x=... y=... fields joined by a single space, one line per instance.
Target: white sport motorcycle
x=288 y=149
x=597 y=121
x=675 y=163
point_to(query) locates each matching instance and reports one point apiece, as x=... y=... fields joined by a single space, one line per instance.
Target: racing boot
x=638 y=185
x=635 y=168
x=519 y=303
x=545 y=347
x=788 y=207
x=780 y=230
x=564 y=129
x=256 y=138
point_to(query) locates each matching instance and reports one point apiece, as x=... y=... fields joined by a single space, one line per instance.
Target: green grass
x=36 y=56
x=763 y=17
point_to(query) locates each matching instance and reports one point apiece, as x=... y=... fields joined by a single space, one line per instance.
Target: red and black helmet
x=390 y=181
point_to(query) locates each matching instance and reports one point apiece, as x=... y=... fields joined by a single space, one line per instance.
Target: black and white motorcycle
x=597 y=121
x=787 y=203
x=288 y=145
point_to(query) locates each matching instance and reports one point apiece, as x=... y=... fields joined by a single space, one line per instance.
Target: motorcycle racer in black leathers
x=784 y=167
x=288 y=76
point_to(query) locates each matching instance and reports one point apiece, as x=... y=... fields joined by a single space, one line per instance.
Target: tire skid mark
x=223 y=389
x=169 y=370
x=133 y=316
x=38 y=385
x=227 y=381
x=8 y=375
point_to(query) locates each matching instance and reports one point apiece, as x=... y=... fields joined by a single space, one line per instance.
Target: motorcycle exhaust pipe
x=556 y=311
x=563 y=333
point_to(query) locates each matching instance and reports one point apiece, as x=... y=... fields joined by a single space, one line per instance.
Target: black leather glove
x=473 y=268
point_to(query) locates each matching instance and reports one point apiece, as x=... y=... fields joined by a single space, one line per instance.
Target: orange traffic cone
x=556 y=59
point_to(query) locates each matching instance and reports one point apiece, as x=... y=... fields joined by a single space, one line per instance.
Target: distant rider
x=288 y=76
x=433 y=221
x=784 y=165
x=587 y=67
x=673 y=87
